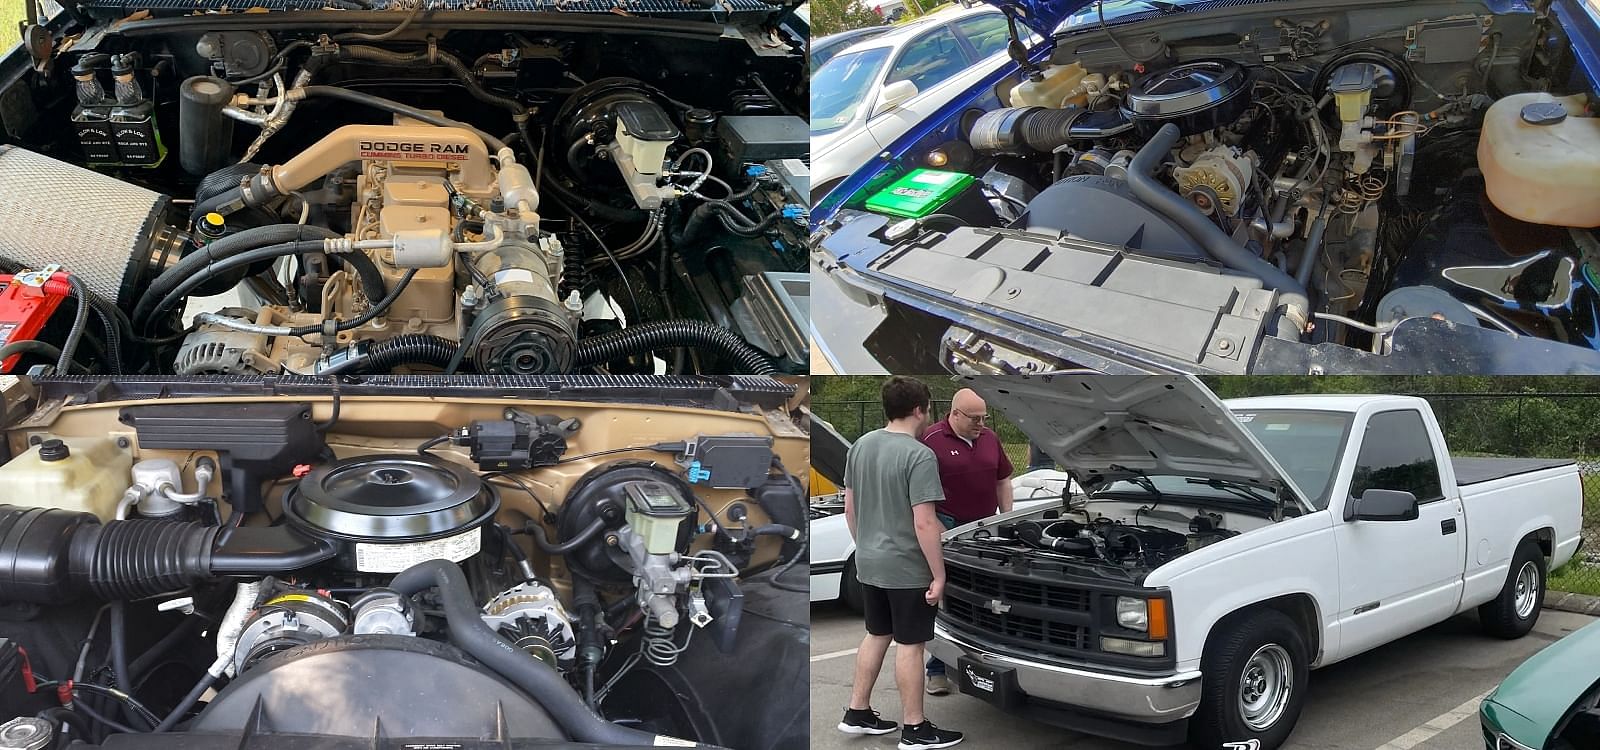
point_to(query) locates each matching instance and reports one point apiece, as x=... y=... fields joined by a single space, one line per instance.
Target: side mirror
x=1382 y=505
x=894 y=95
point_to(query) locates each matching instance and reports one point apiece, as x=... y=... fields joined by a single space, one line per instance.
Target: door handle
x=1447 y=526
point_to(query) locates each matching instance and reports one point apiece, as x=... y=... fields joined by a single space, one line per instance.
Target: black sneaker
x=926 y=736
x=866 y=721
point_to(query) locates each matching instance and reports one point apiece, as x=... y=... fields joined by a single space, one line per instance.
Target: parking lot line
x=1436 y=725
x=834 y=654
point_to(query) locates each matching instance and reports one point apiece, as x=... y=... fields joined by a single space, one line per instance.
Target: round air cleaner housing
x=1196 y=96
x=389 y=512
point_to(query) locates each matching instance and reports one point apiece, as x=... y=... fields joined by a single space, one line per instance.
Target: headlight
x=1132 y=648
x=1133 y=614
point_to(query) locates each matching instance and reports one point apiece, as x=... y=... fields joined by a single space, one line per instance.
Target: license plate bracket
x=997 y=685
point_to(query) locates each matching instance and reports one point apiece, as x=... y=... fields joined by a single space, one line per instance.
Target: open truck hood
x=1103 y=428
x=1043 y=16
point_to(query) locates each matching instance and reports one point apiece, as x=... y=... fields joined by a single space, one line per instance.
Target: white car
x=867 y=96
x=833 y=573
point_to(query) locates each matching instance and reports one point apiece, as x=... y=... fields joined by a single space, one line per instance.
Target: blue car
x=1264 y=186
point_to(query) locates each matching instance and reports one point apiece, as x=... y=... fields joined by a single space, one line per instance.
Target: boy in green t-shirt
x=891 y=495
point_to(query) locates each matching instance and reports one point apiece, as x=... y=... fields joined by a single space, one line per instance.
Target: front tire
x=1515 y=611
x=1256 y=670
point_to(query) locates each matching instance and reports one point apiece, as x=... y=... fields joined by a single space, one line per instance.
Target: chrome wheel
x=1527 y=598
x=1265 y=686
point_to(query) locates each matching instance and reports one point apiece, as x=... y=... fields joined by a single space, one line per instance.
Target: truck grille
x=1058 y=634
x=1029 y=613
x=1018 y=591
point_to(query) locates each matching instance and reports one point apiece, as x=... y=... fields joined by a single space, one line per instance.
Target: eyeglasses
x=979 y=418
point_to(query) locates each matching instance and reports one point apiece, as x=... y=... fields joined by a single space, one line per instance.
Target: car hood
x=1043 y=16
x=1544 y=688
x=1105 y=428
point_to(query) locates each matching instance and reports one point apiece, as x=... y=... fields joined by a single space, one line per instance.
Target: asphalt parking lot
x=1419 y=692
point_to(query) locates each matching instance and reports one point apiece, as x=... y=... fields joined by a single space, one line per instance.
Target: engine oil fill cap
x=390 y=498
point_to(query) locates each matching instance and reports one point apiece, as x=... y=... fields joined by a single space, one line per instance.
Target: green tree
x=833 y=16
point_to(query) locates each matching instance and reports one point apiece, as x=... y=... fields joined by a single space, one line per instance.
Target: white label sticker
x=665 y=741
x=393 y=558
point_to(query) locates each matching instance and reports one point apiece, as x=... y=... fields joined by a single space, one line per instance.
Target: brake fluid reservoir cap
x=53 y=450
x=1544 y=113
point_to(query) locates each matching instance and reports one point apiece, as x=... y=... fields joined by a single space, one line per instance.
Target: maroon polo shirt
x=970 y=473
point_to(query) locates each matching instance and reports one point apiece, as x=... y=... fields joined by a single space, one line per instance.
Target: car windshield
x=842 y=86
x=1307 y=444
x=1192 y=487
x=1089 y=15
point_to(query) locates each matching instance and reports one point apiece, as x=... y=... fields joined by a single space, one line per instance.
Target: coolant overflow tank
x=1540 y=158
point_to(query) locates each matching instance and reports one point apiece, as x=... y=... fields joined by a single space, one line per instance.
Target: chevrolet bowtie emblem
x=998 y=607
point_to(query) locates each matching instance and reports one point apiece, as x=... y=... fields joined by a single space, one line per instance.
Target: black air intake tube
x=467 y=631
x=665 y=334
x=49 y=555
x=1216 y=242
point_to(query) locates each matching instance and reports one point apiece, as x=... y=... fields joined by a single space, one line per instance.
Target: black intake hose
x=665 y=334
x=50 y=555
x=234 y=244
x=372 y=283
x=405 y=349
x=1217 y=243
x=466 y=629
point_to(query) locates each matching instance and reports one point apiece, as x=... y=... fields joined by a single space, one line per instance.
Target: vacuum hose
x=467 y=631
x=665 y=334
x=1216 y=242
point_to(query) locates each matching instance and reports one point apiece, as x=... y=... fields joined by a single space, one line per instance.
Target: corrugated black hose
x=665 y=334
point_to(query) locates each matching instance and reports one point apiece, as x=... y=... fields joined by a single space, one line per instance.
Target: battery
x=26 y=304
x=930 y=191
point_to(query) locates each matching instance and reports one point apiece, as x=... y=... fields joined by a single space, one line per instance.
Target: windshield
x=842 y=86
x=1192 y=487
x=1307 y=444
x=1089 y=15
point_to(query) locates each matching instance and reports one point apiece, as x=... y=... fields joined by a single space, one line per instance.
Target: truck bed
x=1479 y=470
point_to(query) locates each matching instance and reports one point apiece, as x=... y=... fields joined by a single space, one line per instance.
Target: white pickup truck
x=1222 y=551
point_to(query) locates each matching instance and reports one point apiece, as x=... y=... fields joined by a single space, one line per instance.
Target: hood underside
x=1107 y=428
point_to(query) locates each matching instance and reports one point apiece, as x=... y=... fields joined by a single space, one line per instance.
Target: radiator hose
x=1217 y=243
x=666 y=334
x=466 y=629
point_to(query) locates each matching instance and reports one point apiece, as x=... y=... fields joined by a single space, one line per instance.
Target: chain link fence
x=1553 y=425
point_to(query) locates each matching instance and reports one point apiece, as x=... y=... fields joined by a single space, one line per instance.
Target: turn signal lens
x=1158 y=619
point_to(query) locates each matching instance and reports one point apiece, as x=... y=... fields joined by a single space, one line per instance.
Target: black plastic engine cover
x=1102 y=209
x=368 y=686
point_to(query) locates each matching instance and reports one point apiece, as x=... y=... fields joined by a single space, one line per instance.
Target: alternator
x=532 y=618
x=1221 y=172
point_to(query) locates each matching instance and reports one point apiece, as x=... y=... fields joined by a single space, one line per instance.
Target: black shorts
x=902 y=613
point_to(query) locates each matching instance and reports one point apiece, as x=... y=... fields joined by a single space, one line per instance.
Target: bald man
x=976 y=475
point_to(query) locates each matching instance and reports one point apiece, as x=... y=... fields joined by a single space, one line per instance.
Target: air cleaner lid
x=397 y=498
x=1186 y=88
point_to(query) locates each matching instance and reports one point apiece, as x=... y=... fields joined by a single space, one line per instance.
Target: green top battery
x=920 y=193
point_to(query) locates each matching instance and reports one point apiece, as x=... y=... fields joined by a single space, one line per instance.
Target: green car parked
x=1548 y=703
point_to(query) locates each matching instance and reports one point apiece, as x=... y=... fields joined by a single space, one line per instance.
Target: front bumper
x=1137 y=709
